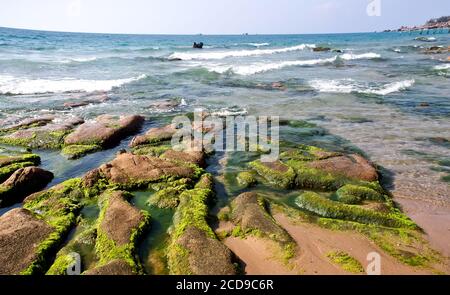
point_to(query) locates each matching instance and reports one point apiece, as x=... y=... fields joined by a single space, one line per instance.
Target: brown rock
x=20 y=235
x=22 y=183
x=128 y=169
x=120 y=219
x=352 y=166
x=43 y=136
x=192 y=157
x=41 y=121
x=250 y=215
x=154 y=135
x=104 y=130
x=115 y=267
x=207 y=256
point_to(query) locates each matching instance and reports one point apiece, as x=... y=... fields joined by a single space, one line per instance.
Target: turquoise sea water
x=379 y=90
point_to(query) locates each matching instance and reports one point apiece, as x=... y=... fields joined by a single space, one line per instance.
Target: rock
x=246 y=179
x=352 y=166
x=154 y=135
x=207 y=256
x=20 y=237
x=278 y=85
x=30 y=122
x=134 y=170
x=193 y=157
x=120 y=225
x=10 y=164
x=165 y=105
x=72 y=105
x=424 y=104
x=248 y=213
x=117 y=267
x=120 y=219
x=321 y=49
x=198 y=45
x=275 y=173
x=50 y=135
x=22 y=183
x=104 y=130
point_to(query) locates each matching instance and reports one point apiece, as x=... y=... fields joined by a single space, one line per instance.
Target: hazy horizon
x=174 y=17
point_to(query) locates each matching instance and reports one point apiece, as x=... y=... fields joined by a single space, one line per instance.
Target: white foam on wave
x=351 y=86
x=264 y=67
x=351 y=56
x=15 y=85
x=258 y=44
x=442 y=67
x=236 y=53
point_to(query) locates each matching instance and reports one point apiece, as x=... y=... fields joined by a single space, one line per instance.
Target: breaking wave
x=13 y=85
x=351 y=86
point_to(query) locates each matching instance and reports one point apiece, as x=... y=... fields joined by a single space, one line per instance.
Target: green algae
x=191 y=212
x=327 y=208
x=150 y=150
x=246 y=179
x=78 y=151
x=345 y=261
x=58 y=207
x=107 y=250
x=354 y=194
x=280 y=176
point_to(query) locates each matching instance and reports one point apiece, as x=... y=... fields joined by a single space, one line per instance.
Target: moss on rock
x=58 y=207
x=345 y=261
x=78 y=151
x=355 y=194
x=327 y=208
x=275 y=173
x=119 y=227
x=246 y=179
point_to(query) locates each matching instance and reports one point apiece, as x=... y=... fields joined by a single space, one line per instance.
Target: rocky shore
x=318 y=209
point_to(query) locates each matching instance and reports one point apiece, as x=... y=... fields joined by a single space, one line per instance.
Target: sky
x=218 y=16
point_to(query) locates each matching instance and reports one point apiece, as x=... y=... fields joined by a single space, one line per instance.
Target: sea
x=379 y=91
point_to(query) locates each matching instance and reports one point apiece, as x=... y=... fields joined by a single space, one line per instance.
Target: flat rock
x=207 y=256
x=249 y=214
x=20 y=235
x=154 y=135
x=48 y=135
x=352 y=166
x=120 y=219
x=193 y=157
x=104 y=130
x=128 y=169
x=23 y=182
x=115 y=267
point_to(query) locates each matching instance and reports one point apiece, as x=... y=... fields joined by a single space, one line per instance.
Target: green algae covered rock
x=22 y=183
x=275 y=173
x=10 y=164
x=58 y=207
x=119 y=227
x=22 y=239
x=45 y=135
x=324 y=207
x=246 y=179
x=193 y=246
x=100 y=133
x=355 y=194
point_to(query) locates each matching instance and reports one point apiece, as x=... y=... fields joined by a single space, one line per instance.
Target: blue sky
x=216 y=16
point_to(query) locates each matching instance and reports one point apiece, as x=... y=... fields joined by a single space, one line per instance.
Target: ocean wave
x=264 y=67
x=15 y=86
x=351 y=86
x=442 y=67
x=237 y=53
x=351 y=56
x=258 y=44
